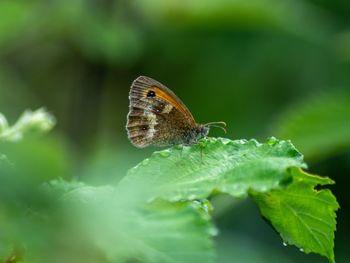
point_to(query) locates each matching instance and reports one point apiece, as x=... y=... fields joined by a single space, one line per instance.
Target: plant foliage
x=159 y=212
x=270 y=172
x=318 y=123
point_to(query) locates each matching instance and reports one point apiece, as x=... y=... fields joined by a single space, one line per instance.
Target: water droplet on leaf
x=272 y=141
x=164 y=154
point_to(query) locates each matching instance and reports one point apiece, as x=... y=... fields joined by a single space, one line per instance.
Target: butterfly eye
x=151 y=94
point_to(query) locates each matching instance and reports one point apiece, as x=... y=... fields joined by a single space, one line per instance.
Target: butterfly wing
x=156 y=115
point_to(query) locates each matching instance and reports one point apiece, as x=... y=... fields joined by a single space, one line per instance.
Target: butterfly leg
x=181 y=151
x=201 y=147
x=201 y=154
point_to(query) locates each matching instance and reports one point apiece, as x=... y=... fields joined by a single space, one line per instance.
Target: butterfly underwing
x=158 y=117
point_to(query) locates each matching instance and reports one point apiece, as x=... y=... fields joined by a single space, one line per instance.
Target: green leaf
x=241 y=167
x=216 y=164
x=318 y=123
x=303 y=215
x=157 y=232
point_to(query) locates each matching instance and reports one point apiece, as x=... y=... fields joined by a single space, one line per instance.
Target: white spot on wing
x=152 y=122
x=167 y=108
x=151 y=131
x=151 y=118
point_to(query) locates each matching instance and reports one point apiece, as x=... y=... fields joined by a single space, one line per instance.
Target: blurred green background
x=266 y=67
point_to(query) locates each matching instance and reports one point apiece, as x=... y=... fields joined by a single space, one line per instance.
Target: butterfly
x=158 y=117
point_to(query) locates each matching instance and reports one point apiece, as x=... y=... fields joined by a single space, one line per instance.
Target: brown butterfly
x=158 y=117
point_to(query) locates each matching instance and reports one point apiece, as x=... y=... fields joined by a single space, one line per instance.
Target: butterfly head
x=202 y=130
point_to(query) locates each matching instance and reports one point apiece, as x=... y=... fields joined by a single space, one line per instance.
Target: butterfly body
x=158 y=117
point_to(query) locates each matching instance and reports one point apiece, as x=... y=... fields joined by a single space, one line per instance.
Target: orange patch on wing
x=172 y=101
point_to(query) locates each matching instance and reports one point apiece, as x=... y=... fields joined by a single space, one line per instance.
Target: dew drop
x=164 y=154
x=301 y=250
x=284 y=244
x=272 y=141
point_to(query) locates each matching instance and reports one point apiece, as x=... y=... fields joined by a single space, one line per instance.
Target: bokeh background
x=266 y=67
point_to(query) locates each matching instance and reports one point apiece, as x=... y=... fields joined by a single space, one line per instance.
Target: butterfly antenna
x=217 y=122
x=222 y=128
x=217 y=125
